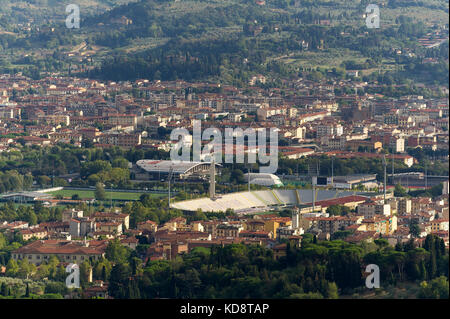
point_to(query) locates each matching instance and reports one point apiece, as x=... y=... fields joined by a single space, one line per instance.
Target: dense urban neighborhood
x=74 y=134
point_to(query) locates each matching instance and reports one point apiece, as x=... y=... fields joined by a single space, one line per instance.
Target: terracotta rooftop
x=62 y=247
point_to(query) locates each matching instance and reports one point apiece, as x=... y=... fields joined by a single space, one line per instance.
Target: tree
x=199 y=215
x=120 y=162
x=12 y=268
x=136 y=266
x=102 y=269
x=56 y=288
x=116 y=252
x=42 y=271
x=53 y=267
x=338 y=210
x=26 y=269
x=85 y=270
x=332 y=291
x=4 y=290
x=104 y=277
x=31 y=218
x=237 y=176
x=133 y=289
x=399 y=191
x=61 y=273
x=381 y=243
x=118 y=281
x=435 y=289
x=309 y=295
x=414 y=229
x=100 y=193
x=3 y=241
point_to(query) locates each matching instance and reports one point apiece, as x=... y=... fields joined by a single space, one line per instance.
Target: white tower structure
x=295 y=218
x=212 y=180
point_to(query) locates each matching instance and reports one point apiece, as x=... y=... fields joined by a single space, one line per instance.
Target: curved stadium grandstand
x=263 y=200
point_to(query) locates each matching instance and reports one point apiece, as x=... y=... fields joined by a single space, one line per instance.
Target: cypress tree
x=437 y=248
x=416 y=271
x=4 y=290
x=423 y=270
x=442 y=247
x=104 y=273
x=428 y=243
x=432 y=266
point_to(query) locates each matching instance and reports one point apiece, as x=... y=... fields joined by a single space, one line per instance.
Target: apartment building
x=69 y=251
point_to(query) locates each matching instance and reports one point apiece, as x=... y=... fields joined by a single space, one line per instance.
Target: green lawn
x=90 y=194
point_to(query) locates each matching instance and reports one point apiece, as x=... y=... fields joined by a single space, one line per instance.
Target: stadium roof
x=31 y=195
x=162 y=166
x=263 y=179
x=246 y=202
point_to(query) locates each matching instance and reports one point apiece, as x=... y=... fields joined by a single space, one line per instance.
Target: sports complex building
x=160 y=169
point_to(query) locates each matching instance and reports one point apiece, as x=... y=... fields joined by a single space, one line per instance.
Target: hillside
x=231 y=40
x=45 y=11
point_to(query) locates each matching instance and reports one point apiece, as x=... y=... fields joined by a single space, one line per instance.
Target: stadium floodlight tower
x=332 y=172
x=295 y=218
x=170 y=179
x=313 y=172
x=249 y=173
x=212 y=179
x=384 y=188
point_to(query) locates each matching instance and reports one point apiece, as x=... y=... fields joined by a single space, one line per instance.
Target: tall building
x=295 y=218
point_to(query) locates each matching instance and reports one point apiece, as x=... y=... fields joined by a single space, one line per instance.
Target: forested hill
x=232 y=40
x=13 y=12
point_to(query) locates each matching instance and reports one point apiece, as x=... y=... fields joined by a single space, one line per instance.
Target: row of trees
x=31 y=214
x=148 y=208
x=316 y=270
x=109 y=166
x=11 y=180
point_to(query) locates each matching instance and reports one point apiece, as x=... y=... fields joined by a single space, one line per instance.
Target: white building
x=263 y=179
x=398 y=145
x=445 y=188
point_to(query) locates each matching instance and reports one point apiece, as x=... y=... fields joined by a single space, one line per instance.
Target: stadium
x=263 y=179
x=264 y=200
